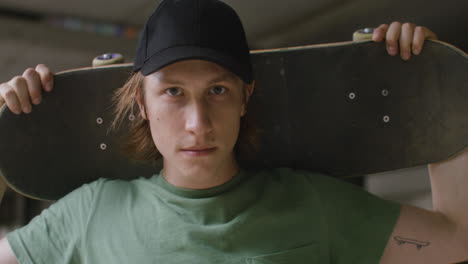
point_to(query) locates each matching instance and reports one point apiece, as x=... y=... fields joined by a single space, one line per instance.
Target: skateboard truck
x=363 y=34
x=108 y=59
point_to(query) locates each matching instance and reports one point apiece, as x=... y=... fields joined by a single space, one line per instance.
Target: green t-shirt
x=272 y=216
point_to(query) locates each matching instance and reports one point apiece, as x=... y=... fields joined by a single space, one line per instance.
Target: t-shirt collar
x=199 y=193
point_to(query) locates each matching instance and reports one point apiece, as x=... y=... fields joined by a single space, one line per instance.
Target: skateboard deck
x=344 y=109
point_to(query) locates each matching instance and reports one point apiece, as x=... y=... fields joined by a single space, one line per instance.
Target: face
x=194 y=109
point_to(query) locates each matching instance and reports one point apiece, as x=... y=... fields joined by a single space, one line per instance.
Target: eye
x=173 y=91
x=218 y=90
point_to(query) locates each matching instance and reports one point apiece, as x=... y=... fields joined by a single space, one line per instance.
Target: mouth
x=198 y=151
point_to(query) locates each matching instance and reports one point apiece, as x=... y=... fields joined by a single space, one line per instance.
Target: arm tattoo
x=419 y=244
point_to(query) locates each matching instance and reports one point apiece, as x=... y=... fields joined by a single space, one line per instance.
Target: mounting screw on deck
x=384 y=92
x=99 y=121
x=103 y=146
x=386 y=119
x=352 y=96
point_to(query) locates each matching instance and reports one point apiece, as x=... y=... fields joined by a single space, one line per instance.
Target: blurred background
x=69 y=34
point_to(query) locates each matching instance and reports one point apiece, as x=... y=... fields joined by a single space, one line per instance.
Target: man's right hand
x=22 y=91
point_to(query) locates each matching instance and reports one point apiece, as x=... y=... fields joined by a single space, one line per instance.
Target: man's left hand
x=404 y=38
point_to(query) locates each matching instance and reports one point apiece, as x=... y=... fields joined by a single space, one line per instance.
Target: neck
x=198 y=177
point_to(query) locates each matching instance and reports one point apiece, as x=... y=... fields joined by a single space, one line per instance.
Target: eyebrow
x=224 y=77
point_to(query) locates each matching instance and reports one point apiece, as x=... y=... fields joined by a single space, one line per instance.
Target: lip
x=198 y=148
x=198 y=151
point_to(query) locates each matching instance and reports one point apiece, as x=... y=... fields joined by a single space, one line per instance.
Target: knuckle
x=391 y=40
x=407 y=25
x=29 y=71
x=42 y=68
x=17 y=81
x=8 y=93
x=419 y=29
x=381 y=27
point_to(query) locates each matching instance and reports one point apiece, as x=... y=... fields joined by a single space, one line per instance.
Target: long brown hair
x=138 y=143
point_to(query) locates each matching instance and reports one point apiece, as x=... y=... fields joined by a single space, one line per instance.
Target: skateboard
x=343 y=109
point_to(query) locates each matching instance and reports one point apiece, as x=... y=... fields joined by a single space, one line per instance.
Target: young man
x=191 y=85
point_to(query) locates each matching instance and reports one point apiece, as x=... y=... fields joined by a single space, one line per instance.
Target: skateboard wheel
x=363 y=34
x=108 y=59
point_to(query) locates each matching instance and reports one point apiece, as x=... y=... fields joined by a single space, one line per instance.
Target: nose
x=198 y=120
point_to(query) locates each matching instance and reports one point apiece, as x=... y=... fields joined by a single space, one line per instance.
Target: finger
x=392 y=37
x=33 y=84
x=406 y=39
x=47 y=78
x=9 y=97
x=420 y=35
x=20 y=86
x=379 y=33
x=418 y=40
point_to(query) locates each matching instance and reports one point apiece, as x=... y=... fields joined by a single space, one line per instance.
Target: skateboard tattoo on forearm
x=419 y=244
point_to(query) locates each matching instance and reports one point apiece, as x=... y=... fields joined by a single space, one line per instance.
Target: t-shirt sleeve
x=54 y=235
x=359 y=223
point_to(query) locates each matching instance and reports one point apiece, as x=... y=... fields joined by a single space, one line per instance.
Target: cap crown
x=184 y=29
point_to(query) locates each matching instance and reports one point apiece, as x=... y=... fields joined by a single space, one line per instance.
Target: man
x=191 y=84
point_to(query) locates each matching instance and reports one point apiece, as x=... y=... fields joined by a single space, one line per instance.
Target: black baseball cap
x=194 y=29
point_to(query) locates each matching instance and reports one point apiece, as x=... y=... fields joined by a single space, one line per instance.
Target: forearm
x=449 y=180
x=6 y=254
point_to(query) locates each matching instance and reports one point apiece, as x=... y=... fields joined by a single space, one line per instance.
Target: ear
x=250 y=88
x=141 y=105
